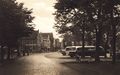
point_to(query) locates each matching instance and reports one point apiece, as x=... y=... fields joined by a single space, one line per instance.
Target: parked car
x=72 y=52
x=69 y=50
x=62 y=51
x=91 y=51
x=117 y=53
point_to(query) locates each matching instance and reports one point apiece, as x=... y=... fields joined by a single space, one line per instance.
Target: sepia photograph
x=59 y=37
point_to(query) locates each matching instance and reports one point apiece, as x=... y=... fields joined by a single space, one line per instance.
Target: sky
x=42 y=11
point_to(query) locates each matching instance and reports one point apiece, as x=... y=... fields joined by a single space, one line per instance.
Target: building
x=32 y=42
x=47 y=41
x=57 y=44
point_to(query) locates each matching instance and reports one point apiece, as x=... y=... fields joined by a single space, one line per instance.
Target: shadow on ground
x=93 y=68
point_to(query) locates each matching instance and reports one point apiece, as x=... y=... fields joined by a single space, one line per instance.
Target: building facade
x=57 y=44
x=46 y=41
x=32 y=42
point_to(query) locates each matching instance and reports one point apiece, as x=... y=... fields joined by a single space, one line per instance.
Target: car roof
x=70 y=47
x=86 y=46
x=80 y=46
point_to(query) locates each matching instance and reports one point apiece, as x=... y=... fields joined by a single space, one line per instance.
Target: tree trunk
x=97 y=59
x=9 y=53
x=83 y=42
x=98 y=32
x=106 y=44
x=113 y=38
x=114 y=44
x=18 y=52
x=2 y=54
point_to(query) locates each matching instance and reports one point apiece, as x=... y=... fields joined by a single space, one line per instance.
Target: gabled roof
x=45 y=35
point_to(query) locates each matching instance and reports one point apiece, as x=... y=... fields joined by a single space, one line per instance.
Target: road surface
x=36 y=64
x=54 y=64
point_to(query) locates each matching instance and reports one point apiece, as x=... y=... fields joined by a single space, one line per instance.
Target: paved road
x=36 y=64
x=55 y=64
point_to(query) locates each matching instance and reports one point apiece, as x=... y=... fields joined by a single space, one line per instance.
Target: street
x=36 y=64
x=55 y=64
x=59 y=37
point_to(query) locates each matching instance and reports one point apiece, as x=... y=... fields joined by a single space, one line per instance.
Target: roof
x=46 y=35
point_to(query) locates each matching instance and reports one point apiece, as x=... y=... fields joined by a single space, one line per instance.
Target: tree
x=68 y=13
x=112 y=11
x=98 y=16
x=15 y=22
x=77 y=12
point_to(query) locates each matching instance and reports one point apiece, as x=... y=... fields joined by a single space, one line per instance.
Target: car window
x=79 y=49
x=86 y=49
x=72 y=48
x=67 y=49
x=91 y=49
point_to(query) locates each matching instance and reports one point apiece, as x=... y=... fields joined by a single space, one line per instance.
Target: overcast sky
x=42 y=10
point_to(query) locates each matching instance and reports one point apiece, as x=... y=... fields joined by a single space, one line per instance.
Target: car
x=69 y=50
x=90 y=51
x=62 y=51
x=72 y=52
x=117 y=53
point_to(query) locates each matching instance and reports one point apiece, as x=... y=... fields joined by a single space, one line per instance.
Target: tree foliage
x=15 y=22
x=100 y=17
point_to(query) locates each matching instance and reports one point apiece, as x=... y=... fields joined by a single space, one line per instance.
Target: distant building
x=57 y=44
x=46 y=41
x=32 y=42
